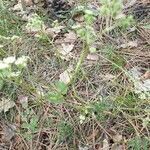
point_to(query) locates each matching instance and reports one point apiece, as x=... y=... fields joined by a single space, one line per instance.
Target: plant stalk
x=80 y=61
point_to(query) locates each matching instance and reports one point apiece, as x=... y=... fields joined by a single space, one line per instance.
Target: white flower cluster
x=82 y=118
x=14 y=37
x=22 y=61
x=6 y=64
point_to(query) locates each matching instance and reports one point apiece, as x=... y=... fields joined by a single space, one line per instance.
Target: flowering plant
x=11 y=67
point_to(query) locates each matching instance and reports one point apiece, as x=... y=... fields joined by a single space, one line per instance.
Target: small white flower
x=9 y=60
x=78 y=26
x=80 y=7
x=15 y=37
x=121 y=15
x=1 y=46
x=3 y=65
x=15 y=74
x=40 y=92
x=22 y=61
x=82 y=118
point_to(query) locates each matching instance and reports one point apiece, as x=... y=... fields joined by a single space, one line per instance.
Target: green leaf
x=92 y=49
x=61 y=87
x=25 y=125
x=5 y=73
x=56 y=98
x=33 y=123
x=1 y=84
x=147 y=26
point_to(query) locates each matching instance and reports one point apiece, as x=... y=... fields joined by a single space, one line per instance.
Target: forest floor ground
x=67 y=98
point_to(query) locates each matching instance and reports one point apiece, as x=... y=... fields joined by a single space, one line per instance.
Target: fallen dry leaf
x=117 y=138
x=70 y=37
x=28 y=2
x=65 y=45
x=130 y=44
x=146 y=75
x=23 y=101
x=59 y=41
x=105 y=145
x=133 y=43
x=50 y=32
x=66 y=75
x=53 y=32
x=93 y=57
x=6 y=104
x=109 y=77
x=65 y=49
x=78 y=17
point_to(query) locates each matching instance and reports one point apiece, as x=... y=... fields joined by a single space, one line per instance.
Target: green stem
x=79 y=63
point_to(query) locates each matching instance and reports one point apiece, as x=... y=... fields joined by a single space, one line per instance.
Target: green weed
x=57 y=95
x=139 y=143
x=97 y=110
x=63 y=105
x=65 y=130
x=30 y=123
